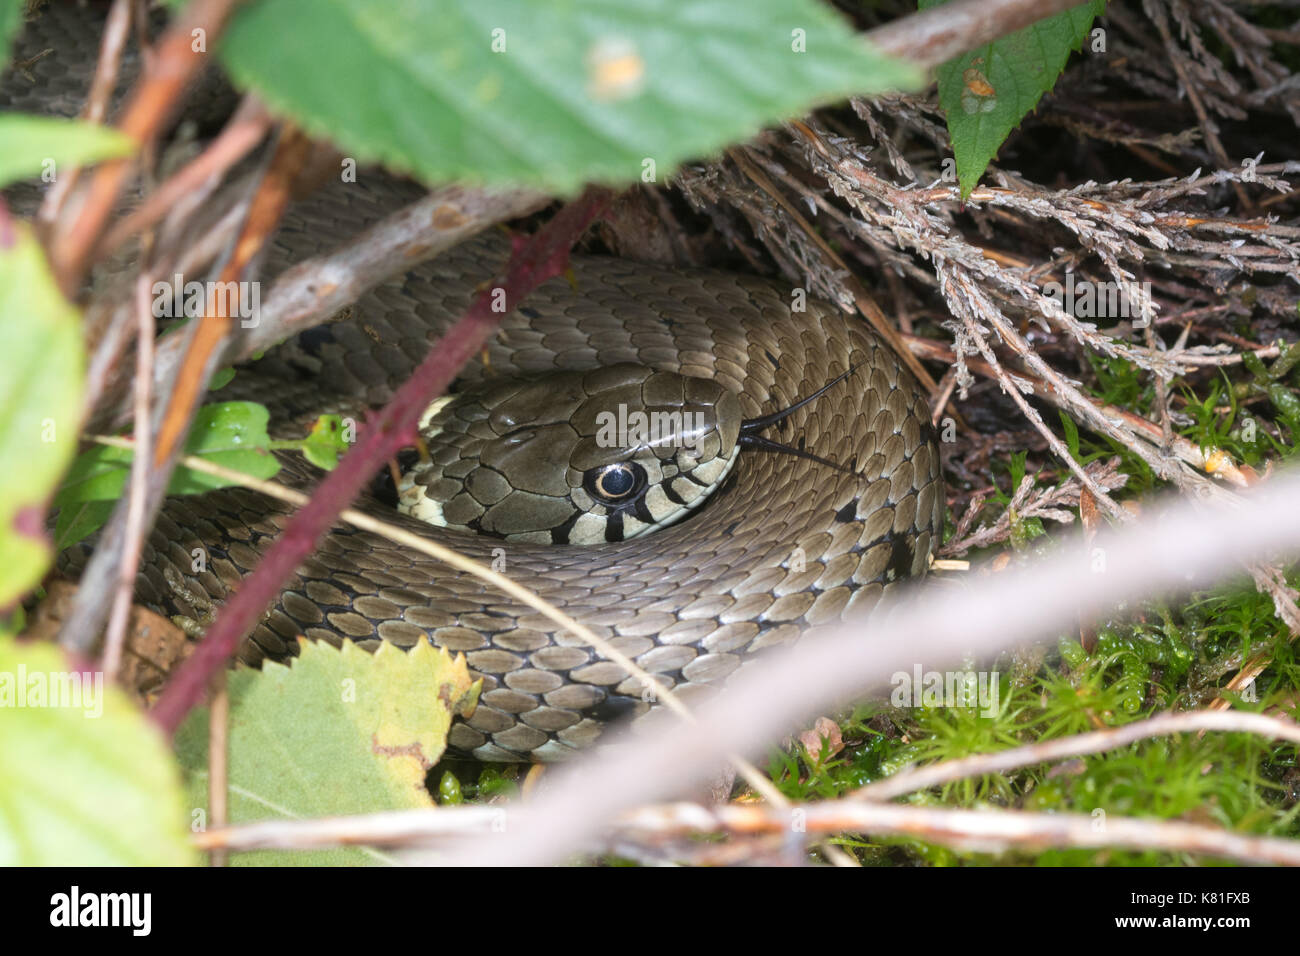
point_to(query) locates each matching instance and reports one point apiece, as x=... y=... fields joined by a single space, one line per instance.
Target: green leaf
x=80 y=520
x=41 y=368
x=232 y=434
x=325 y=444
x=97 y=474
x=1071 y=433
x=221 y=378
x=547 y=94
x=988 y=91
x=85 y=780
x=11 y=18
x=341 y=731
x=32 y=145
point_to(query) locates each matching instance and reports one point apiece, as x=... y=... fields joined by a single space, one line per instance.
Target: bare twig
x=82 y=626
x=987 y=831
x=1177 y=59
x=272 y=197
x=314 y=289
x=148 y=107
x=1025 y=503
x=243 y=132
x=965 y=296
x=135 y=530
x=1074 y=746
x=866 y=303
x=1179 y=447
x=116 y=28
x=937 y=35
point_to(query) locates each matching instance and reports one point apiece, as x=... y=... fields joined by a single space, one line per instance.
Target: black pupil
x=616 y=482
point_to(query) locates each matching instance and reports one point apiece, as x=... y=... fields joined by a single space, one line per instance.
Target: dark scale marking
x=311 y=340
x=671 y=494
x=929 y=436
x=642 y=511
x=614 y=527
x=528 y=311
x=614 y=708
x=731 y=528
x=901 y=555
x=776 y=362
x=476 y=525
x=848 y=513
x=328 y=609
x=560 y=533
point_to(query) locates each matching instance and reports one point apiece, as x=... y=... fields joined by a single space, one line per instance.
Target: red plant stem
x=535 y=259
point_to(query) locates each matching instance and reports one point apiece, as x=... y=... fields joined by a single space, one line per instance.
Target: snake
x=696 y=465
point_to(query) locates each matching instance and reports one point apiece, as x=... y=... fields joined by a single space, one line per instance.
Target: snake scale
x=783 y=544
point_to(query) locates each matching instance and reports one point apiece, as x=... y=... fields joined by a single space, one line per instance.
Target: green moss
x=1156 y=659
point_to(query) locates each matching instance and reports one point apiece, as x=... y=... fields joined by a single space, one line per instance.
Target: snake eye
x=614 y=483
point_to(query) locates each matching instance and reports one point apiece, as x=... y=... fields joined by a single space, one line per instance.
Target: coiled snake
x=783 y=544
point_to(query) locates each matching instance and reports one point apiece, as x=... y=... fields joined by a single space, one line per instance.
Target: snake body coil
x=782 y=545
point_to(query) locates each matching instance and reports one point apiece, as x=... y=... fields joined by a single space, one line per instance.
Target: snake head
x=573 y=457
